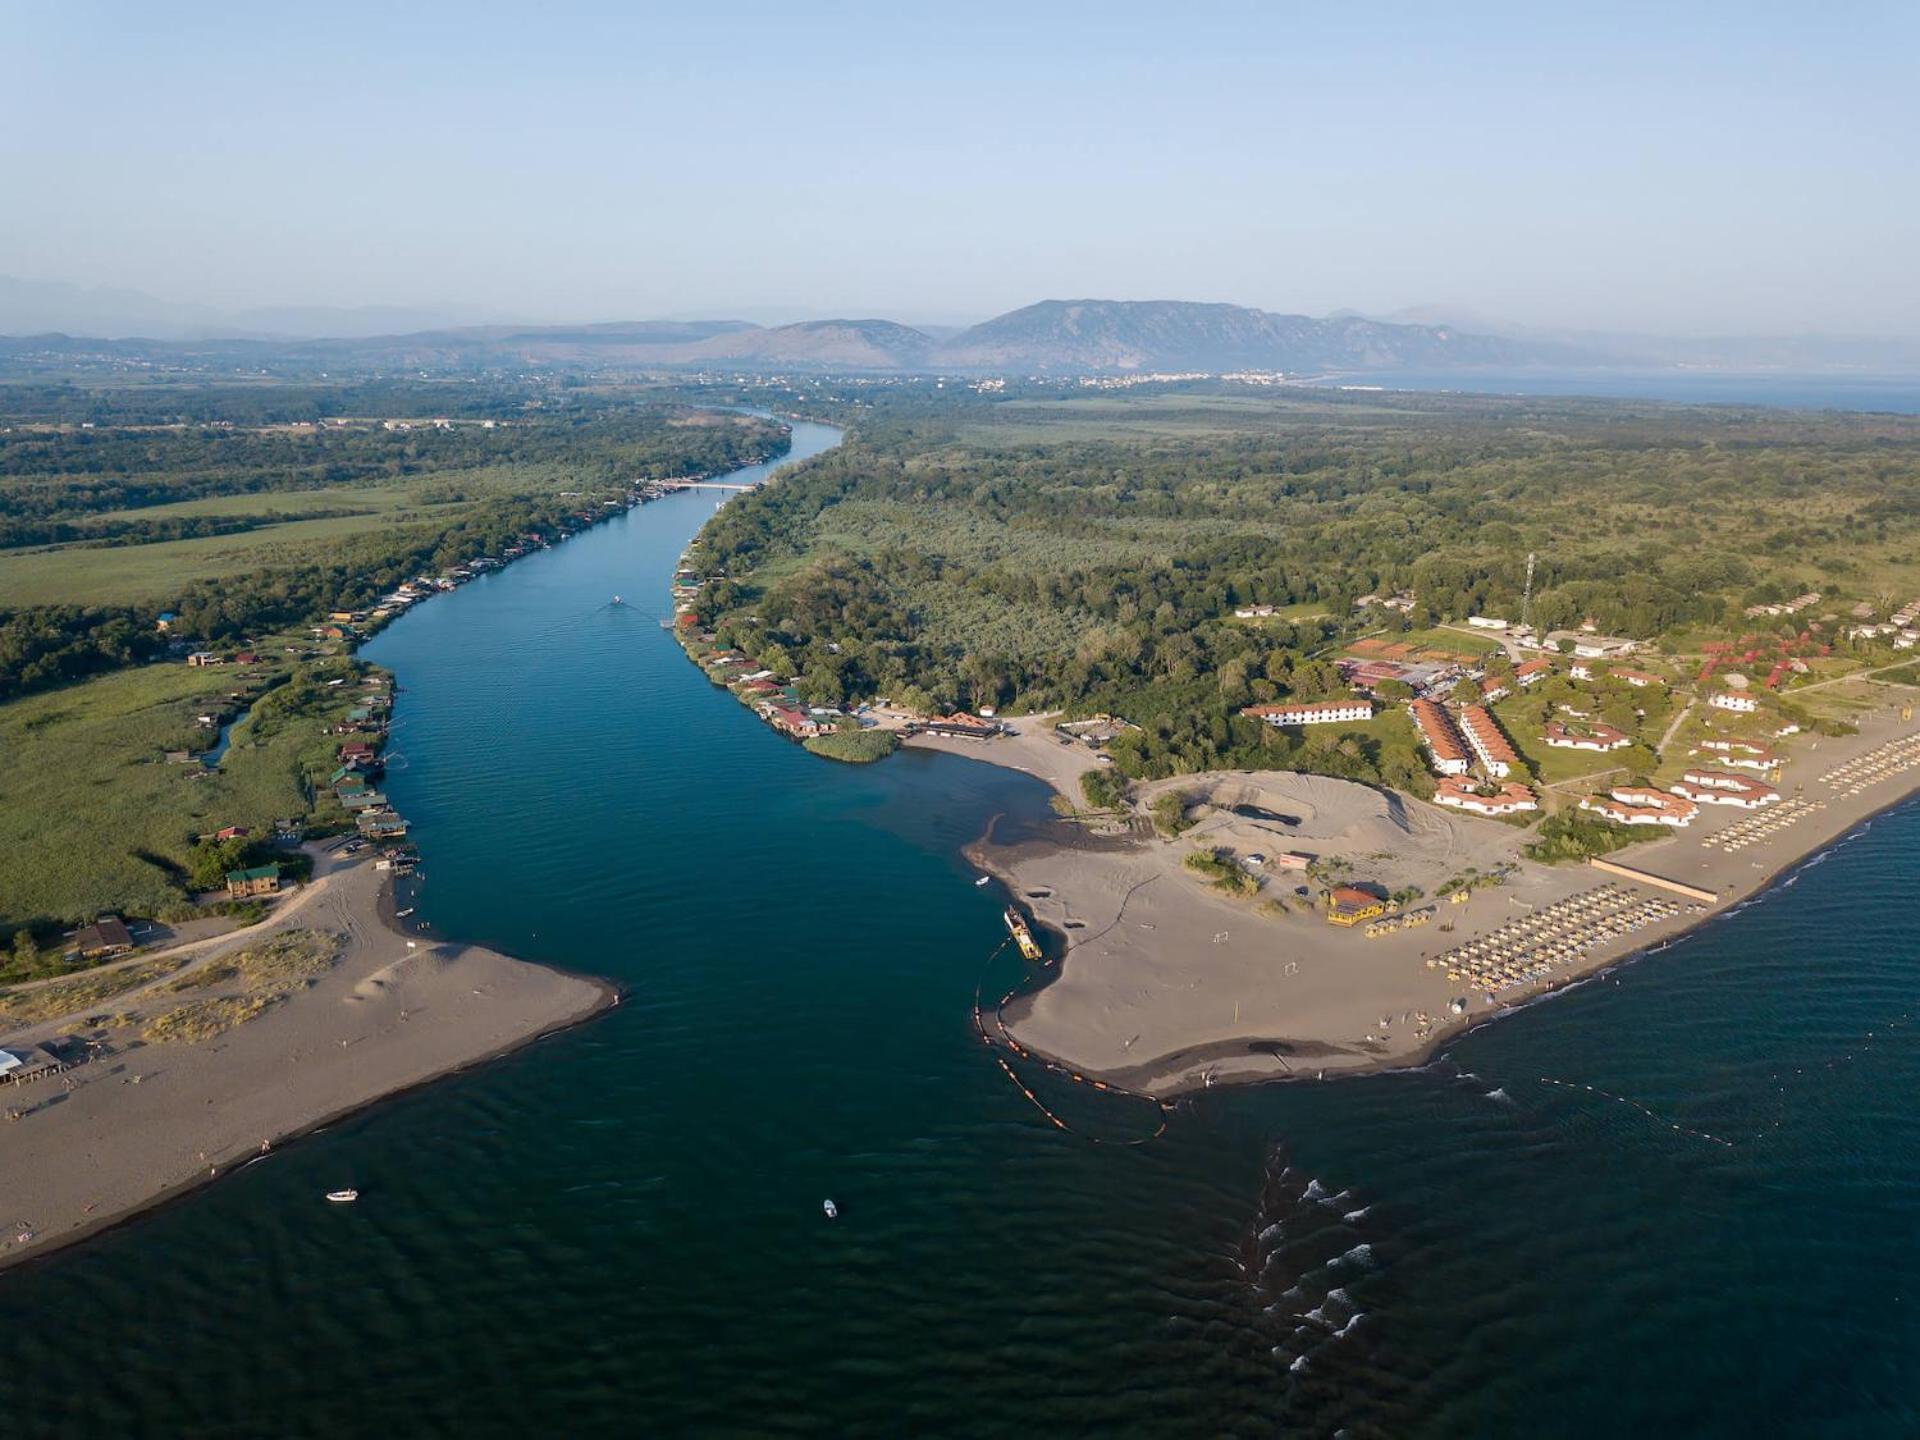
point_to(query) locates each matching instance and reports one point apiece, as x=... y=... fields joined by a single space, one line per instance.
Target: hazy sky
x=1741 y=168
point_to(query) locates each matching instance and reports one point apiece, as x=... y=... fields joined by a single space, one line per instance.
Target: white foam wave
x=1354 y=1217
x=1299 y=1364
x=1500 y=1094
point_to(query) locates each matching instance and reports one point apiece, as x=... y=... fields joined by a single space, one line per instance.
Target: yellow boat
x=1022 y=936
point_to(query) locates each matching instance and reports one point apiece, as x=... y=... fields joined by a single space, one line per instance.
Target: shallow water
x=619 y=1230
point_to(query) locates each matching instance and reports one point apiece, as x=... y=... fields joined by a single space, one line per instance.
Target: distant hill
x=59 y=323
x=1120 y=335
x=1054 y=337
x=827 y=344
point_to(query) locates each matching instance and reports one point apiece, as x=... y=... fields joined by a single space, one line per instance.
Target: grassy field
x=133 y=574
x=93 y=817
x=128 y=575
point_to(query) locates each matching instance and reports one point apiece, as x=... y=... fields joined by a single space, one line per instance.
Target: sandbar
x=147 y=1118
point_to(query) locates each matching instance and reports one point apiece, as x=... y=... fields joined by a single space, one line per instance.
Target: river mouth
x=799 y=944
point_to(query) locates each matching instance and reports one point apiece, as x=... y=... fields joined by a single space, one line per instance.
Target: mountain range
x=1053 y=337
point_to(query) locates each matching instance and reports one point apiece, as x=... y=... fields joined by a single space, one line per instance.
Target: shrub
x=1578 y=835
x=855 y=747
x=1102 y=789
x=1222 y=872
x=1170 y=813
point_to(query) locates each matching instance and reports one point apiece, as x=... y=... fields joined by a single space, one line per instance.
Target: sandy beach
x=340 y=1012
x=1166 y=984
x=1031 y=746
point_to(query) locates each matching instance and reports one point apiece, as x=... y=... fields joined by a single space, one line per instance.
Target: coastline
x=154 y=1120
x=1223 y=994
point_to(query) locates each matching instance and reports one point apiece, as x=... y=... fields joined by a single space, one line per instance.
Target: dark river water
x=619 y=1230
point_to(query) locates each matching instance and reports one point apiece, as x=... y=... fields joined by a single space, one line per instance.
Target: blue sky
x=1735 y=169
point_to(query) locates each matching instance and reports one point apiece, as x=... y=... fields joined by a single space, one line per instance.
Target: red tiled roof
x=1437 y=729
x=1479 y=724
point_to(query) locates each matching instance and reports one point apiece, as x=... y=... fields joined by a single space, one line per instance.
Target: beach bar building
x=1349 y=905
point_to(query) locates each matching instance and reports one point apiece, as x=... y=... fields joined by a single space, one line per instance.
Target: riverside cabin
x=102 y=940
x=962 y=726
x=260 y=880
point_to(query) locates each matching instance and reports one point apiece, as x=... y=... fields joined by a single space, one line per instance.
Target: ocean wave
x=1354 y=1217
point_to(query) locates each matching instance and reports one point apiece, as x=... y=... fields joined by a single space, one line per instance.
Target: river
x=619 y=1230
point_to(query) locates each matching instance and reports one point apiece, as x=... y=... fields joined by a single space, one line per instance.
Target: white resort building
x=1319 y=712
x=1489 y=744
x=1459 y=793
x=1643 y=805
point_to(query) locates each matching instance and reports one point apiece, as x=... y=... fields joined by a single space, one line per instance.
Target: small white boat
x=343 y=1197
x=831 y=1210
x=982 y=880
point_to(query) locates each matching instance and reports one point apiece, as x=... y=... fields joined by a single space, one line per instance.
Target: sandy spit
x=150 y=1120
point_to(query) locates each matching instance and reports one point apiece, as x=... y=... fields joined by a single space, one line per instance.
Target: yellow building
x=1349 y=906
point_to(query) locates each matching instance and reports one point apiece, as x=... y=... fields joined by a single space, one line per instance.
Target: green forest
x=1089 y=554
